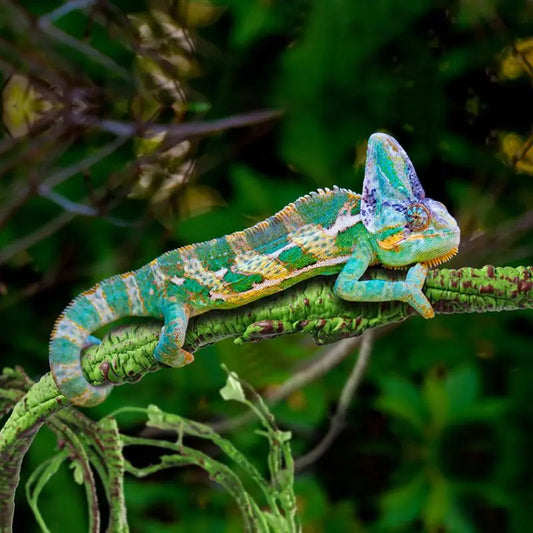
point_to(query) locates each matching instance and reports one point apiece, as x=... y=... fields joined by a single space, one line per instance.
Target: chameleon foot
x=412 y=290
x=175 y=359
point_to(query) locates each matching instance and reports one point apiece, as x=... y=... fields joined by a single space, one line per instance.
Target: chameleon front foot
x=349 y=287
x=411 y=290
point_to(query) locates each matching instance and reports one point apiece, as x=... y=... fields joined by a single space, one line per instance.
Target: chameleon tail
x=106 y=302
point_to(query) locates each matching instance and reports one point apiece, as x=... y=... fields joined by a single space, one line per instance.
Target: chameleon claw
x=188 y=357
x=176 y=359
x=414 y=281
x=418 y=301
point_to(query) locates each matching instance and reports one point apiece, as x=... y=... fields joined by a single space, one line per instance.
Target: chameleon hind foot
x=169 y=349
x=175 y=359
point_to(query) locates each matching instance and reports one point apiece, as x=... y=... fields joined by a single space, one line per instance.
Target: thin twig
x=69 y=205
x=85 y=163
x=54 y=32
x=179 y=132
x=478 y=248
x=338 y=420
x=41 y=233
x=67 y=7
x=84 y=209
x=322 y=366
x=24 y=189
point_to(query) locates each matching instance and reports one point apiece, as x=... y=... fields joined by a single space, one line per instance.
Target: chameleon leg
x=169 y=348
x=349 y=287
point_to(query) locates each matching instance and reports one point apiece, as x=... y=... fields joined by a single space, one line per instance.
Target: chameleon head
x=429 y=234
x=406 y=226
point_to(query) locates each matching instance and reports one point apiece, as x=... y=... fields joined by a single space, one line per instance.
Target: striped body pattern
x=330 y=231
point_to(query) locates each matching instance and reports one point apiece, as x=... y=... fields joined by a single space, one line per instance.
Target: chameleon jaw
x=441 y=259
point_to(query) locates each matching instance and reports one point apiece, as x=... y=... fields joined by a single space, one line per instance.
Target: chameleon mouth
x=441 y=258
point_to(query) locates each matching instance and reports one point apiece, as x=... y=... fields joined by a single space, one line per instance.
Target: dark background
x=439 y=434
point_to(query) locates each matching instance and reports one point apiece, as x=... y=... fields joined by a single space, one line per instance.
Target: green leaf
x=437 y=504
x=490 y=410
x=77 y=471
x=462 y=387
x=284 y=436
x=402 y=505
x=401 y=399
x=233 y=389
x=435 y=394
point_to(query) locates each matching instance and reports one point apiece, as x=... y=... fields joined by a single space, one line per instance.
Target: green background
x=439 y=435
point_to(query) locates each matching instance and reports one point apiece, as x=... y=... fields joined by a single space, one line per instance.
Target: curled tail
x=106 y=302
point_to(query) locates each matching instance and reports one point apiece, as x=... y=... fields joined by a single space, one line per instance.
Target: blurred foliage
x=438 y=436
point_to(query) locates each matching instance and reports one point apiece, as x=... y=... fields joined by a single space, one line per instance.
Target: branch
x=176 y=133
x=125 y=355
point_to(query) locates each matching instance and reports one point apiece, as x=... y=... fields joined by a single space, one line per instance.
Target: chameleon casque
x=330 y=231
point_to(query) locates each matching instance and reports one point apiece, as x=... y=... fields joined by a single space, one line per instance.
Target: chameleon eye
x=417 y=217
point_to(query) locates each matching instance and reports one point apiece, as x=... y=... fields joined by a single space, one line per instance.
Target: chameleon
x=326 y=232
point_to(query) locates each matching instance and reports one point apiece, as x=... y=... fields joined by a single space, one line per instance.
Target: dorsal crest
x=320 y=207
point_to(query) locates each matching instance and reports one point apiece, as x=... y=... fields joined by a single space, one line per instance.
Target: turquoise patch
x=83 y=313
x=63 y=351
x=116 y=295
x=322 y=209
x=215 y=254
x=145 y=282
x=269 y=236
x=271 y=246
x=77 y=386
x=170 y=263
x=193 y=289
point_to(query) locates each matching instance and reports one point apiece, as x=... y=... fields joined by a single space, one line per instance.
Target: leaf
x=401 y=399
x=402 y=505
x=437 y=504
x=490 y=410
x=77 y=471
x=436 y=396
x=462 y=387
x=312 y=500
x=233 y=389
x=284 y=436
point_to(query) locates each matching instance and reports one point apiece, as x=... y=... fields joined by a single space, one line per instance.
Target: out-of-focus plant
x=437 y=477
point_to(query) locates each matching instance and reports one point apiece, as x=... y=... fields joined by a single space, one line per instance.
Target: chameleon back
x=314 y=235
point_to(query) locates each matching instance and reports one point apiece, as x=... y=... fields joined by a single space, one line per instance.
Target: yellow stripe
x=254 y=263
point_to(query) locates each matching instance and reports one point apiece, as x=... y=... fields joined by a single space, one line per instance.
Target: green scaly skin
x=326 y=232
